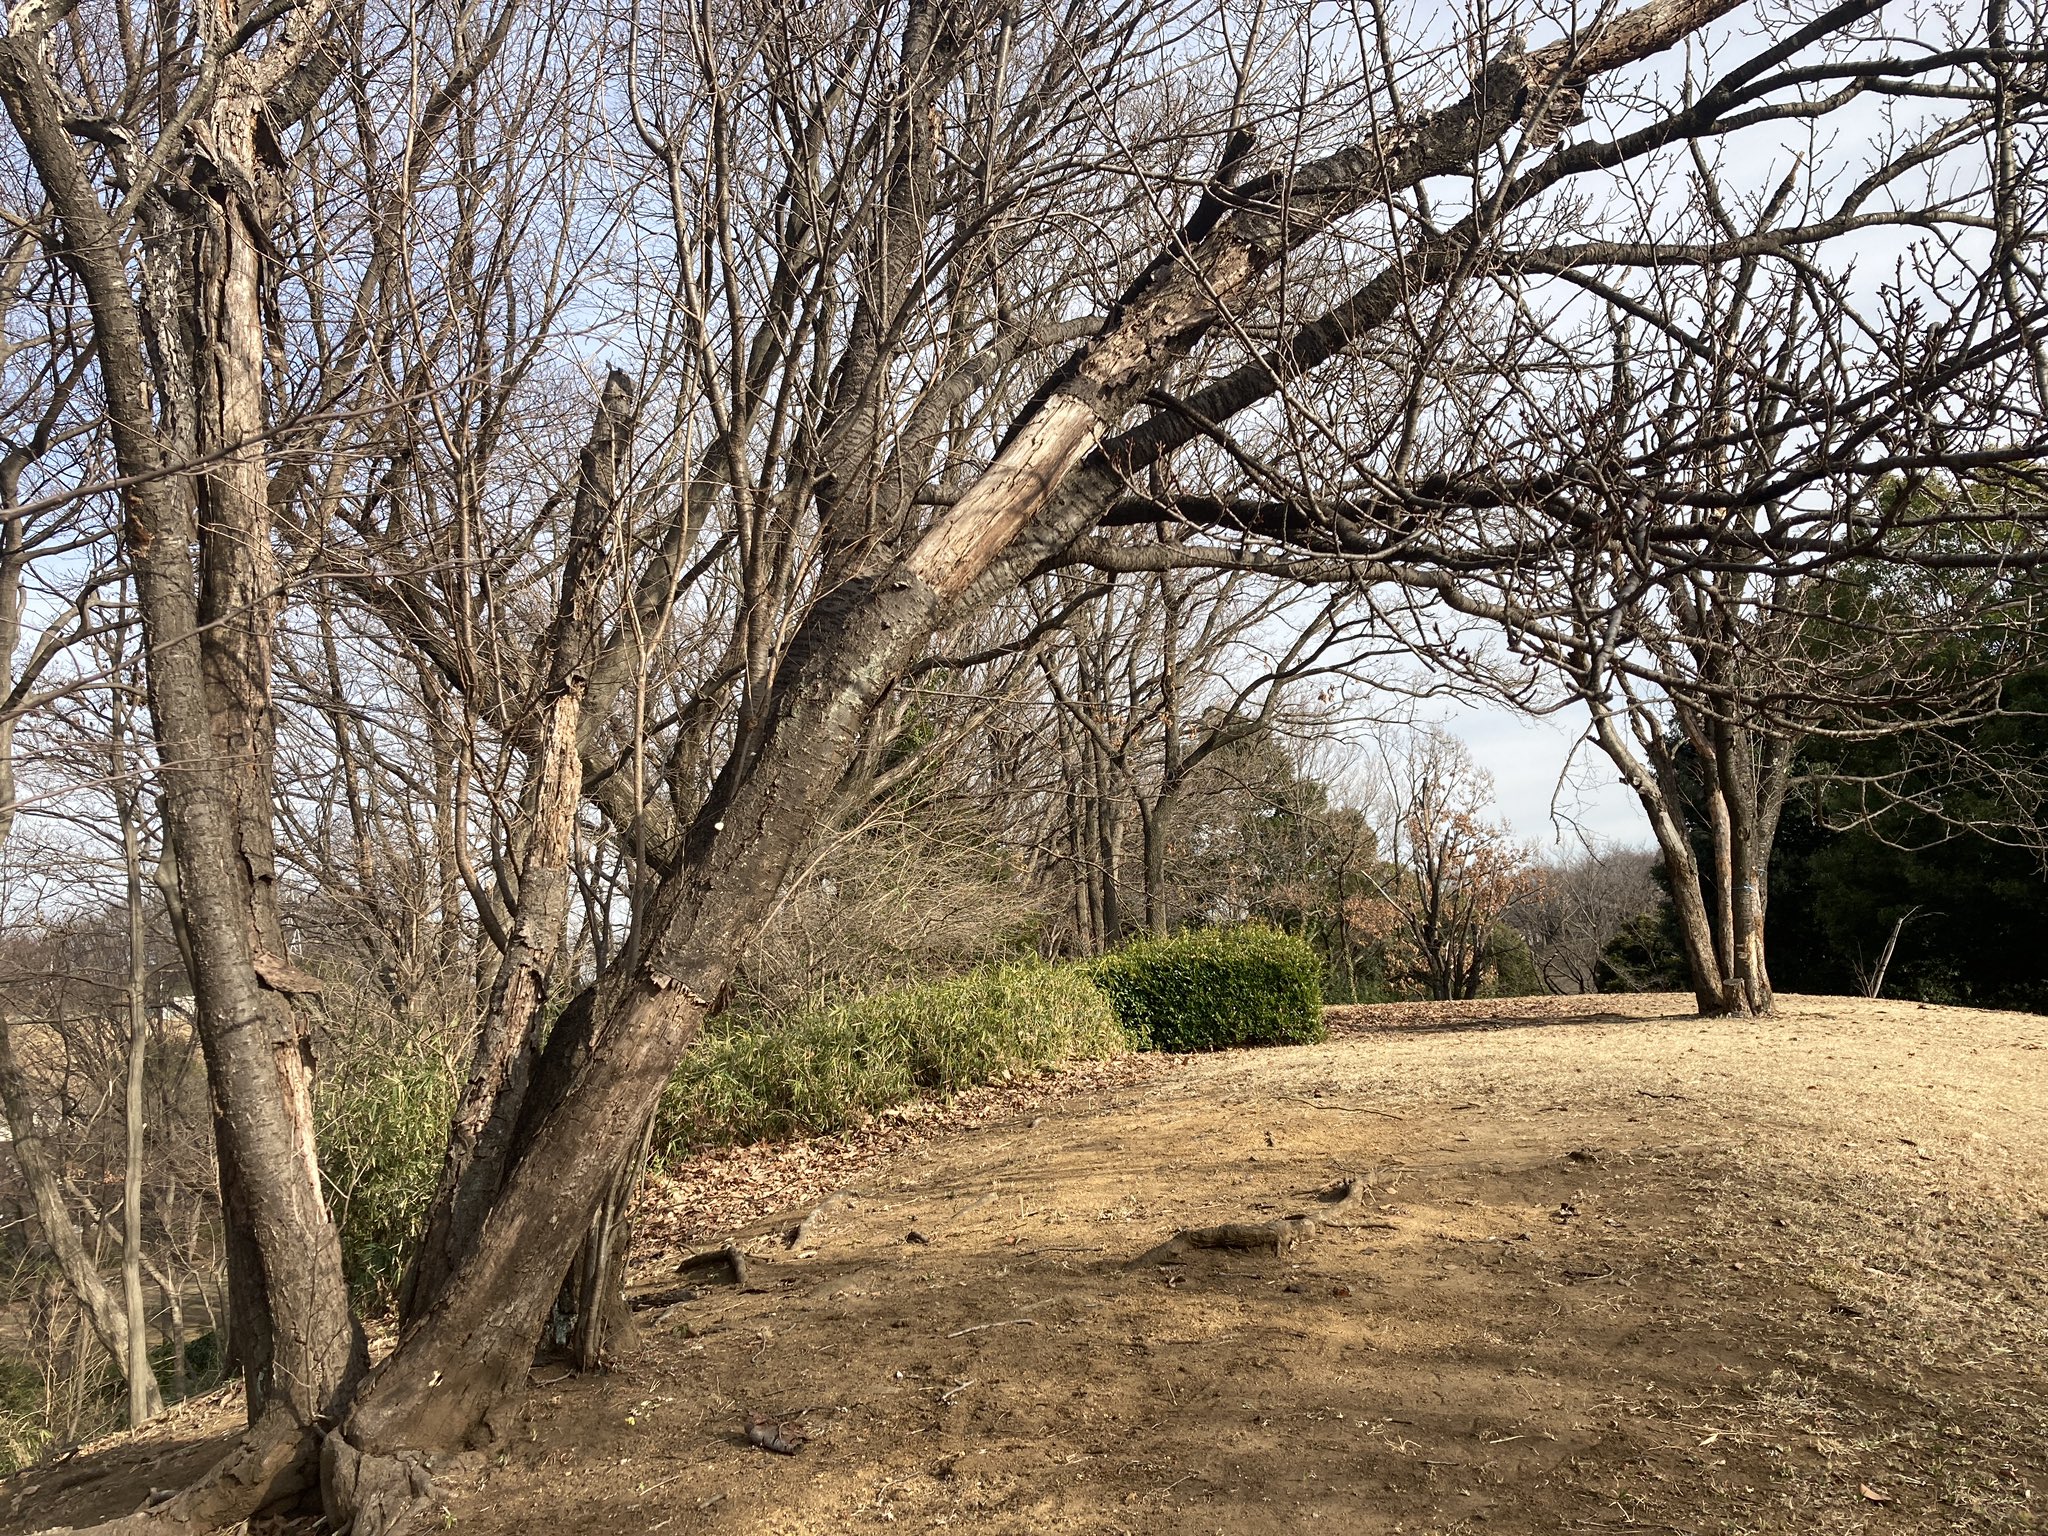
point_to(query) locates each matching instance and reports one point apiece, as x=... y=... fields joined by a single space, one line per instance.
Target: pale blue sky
x=1527 y=756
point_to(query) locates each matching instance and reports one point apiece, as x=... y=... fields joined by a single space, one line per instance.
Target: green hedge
x=831 y=1067
x=1215 y=988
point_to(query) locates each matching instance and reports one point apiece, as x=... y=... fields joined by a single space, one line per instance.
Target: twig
x=1349 y=1109
x=648 y=1488
x=1008 y=1322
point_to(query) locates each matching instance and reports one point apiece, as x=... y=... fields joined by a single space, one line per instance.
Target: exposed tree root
x=271 y=1465
x=1239 y=1236
x=375 y=1495
x=805 y=1233
x=669 y=1296
x=717 y=1266
x=1339 y=1201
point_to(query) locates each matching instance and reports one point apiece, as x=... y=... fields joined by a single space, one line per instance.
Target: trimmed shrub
x=1215 y=988
x=830 y=1067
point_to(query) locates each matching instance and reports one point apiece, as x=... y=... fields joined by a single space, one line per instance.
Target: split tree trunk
x=482 y=1137
x=597 y=1323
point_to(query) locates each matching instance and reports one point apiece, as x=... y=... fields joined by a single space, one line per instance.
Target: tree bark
x=1658 y=791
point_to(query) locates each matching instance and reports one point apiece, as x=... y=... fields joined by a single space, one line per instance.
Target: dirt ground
x=1619 y=1269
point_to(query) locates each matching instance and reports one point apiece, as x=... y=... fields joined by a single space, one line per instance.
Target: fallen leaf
x=1875 y=1496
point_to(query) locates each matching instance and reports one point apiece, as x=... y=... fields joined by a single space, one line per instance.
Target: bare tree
x=1573 y=907
x=1450 y=873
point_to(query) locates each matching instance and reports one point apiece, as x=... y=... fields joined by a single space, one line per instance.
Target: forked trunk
x=605 y=1067
x=182 y=374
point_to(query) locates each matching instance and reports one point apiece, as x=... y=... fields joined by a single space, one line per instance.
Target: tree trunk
x=144 y=1399
x=1107 y=828
x=605 y=1065
x=1152 y=821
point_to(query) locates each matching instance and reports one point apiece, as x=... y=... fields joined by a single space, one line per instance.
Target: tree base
x=272 y=1465
x=373 y=1495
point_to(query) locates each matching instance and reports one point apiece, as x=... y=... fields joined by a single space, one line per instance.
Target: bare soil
x=1618 y=1268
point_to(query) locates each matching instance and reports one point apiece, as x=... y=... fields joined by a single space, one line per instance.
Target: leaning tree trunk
x=454 y=1372
x=43 y=1179
x=464 y=1358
